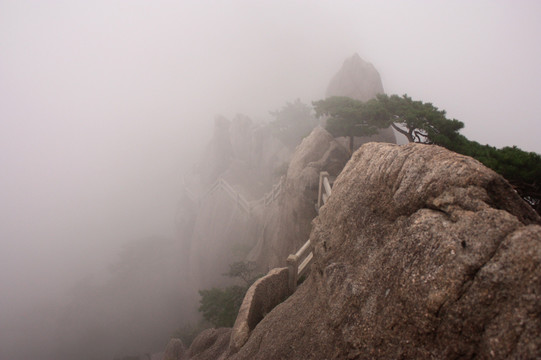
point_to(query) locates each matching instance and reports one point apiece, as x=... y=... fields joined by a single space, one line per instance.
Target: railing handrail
x=303 y=249
x=325 y=189
x=246 y=205
x=299 y=262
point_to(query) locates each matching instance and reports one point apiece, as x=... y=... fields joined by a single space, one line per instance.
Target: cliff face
x=222 y=233
x=287 y=222
x=243 y=153
x=248 y=157
x=219 y=231
x=419 y=253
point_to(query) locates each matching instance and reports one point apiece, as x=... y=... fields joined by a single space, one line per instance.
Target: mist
x=105 y=105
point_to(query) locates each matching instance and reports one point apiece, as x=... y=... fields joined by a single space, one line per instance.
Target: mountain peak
x=357 y=79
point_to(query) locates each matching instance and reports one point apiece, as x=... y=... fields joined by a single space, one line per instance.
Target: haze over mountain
x=103 y=105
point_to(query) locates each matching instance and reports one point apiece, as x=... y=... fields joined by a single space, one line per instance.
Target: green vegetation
x=221 y=306
x=350 y=117
x=418 y=121
x=425 y=123
x=522 y=169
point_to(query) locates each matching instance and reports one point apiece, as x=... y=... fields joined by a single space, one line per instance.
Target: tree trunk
x=407 y=134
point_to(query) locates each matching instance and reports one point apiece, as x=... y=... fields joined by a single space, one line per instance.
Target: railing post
x=320 y=201
x=292 y=265
x=319 y=191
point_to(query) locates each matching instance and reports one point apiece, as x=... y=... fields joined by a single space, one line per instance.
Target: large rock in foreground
x=420 y=253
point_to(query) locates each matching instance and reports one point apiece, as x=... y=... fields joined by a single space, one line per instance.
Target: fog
x=105 y=104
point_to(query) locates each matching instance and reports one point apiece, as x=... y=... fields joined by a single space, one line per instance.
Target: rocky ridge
x=419 y=253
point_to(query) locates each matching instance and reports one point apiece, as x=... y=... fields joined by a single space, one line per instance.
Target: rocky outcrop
x=250 y=159
x=260 y=299
x=359 y=80
x=210 y=344
x=419 y=253
x=287 y=221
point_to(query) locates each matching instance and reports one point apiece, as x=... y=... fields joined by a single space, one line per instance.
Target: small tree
x=425 y=123
x=350 y=117
x=418 y=121
x=221 y=306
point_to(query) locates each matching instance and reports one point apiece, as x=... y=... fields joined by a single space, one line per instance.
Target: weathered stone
x=259 y=300
x=419 y=253
x=211 y=344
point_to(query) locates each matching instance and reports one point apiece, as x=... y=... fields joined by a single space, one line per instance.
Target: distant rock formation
x=223 y=233
x=287 y=221
x=356 y=79
x=219 y=153
x=419 y=253
x=218 y=231
x=359 y=80
x=244 y=153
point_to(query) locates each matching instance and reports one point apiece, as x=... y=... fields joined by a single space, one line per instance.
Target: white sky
x=103 y=102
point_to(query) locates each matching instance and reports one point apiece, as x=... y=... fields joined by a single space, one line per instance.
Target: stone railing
x=263 y=296
x=325 y=189
x=299 y=262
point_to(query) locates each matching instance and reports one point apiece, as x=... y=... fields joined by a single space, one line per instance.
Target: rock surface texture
x=210 y=344
x=420 y=253
x=260 y=299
